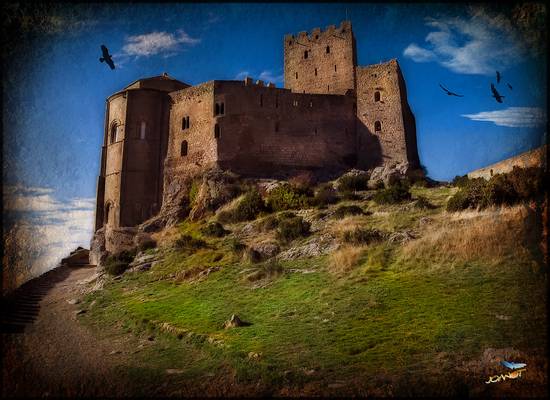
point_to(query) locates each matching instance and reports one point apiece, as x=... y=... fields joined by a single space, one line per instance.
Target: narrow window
x=276 y=101
x=222 y=108
x=113 y=138
x=276 y=126
x=310 y=104
x=107 y=213
x=328 y=88
x=316 y=131
x=335 y=68
x=295 y=103
x=261 y=100
x=315 y=71
x=296 y=75
x=376 y=96
x=217 y=109
x=217 y=131
x=377 y=126
x=187 y=122
x=328 y=49
x=305 y=54
x=142 y=129
x=184 y=148
x=290 y=43
x=183 y=123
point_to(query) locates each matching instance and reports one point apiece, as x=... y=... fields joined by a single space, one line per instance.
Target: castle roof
x=157 y=82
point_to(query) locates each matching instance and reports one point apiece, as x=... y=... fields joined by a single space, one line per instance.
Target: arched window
x=376 y=96
x=185 y=123
x=377 y=126
x=328 y=49
x=113 y=133
x=305 y=54
x=142 y=130
x=183 y=150
x=217 y=131
x=107 y=213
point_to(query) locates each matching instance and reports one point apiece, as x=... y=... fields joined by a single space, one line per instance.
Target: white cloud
x=44 y=231
x=153 y=43
x=513 y=117
x=480 y=44
x=241 y=75
x=266 y=76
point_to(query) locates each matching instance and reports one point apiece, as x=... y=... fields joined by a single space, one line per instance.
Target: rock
x=154 y=224
x=216 y=188
x=262 y=251
x=234 y=322
x=316 y=246
x=143 y=241
x=171 y=371
x=151 y=338
x=254 y=356
x=267 y=185
x=119 y=239
x=79 y=312
x=401 y=237
x=115 y=352
x=388 y=174
x=98 y=252
x=142 y=262
x=352 y=173
x=503 y=317
x=73 y=301
x=80 y=256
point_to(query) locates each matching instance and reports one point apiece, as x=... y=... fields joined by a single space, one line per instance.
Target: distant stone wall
x=533 y=158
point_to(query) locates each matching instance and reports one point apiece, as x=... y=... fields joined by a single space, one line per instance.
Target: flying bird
x=496 y=95
x=498 y=77
x=510 y=86
x=513 y=365
x=449 y=92
x=107 y=57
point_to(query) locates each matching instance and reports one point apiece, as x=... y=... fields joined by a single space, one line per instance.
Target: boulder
x=98 y=252
x=262 y=251
x=143 y=241
x=235 y=322
x=352 y=173
x=119 y=239
x=80 y=256
x=216 y=188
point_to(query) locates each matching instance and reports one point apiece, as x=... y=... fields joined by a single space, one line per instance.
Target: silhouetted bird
x=496 y=95
x=449 y=92
x=107 y=57
x=510 y=86
x=498 y=77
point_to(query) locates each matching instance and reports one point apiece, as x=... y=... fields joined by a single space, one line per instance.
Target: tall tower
x=321 y=62
x=129 y=187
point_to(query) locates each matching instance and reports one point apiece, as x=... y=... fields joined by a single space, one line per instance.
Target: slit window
x=276 y=101
x=222 y=108
x=184 y=148
x=276 y=126
x=310 y=104
x=217 y=131
x=376 y=96
x=315 y=71
x=328 y=49
x=377 y=126
x=142 y=130
x=185 y=123
x=216 y=109
x=261 y=100
x=296 y=75
x=328 y=88
x=305 y=54
x=335 y=68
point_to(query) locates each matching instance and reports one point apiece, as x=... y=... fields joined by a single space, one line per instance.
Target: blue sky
x=55 y=89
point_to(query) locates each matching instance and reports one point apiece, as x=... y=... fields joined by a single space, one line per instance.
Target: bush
x=325 y=195
x=423 y=203
x=349 y=195
x=189 y=243
x=363 y=236
x=302 y=182
x=146 y=245
x=352 y=183
x=267 y=270
x=396 y=193
x=460 y=181
x=236 y=246
x=344 y=211
x=520 y=184
x=286 y=197
x=292 y=228
x=116 y=264
x=248 y=208
x=214 y=229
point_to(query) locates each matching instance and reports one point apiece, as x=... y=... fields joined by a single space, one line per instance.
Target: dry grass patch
x=166 y=237
x=490 y=235
x=345 y=259
x=347 y=224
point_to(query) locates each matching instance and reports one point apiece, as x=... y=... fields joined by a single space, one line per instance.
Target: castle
x=331 y=115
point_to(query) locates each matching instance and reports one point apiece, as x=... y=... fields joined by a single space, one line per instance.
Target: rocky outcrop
x=98 y=252
x=391 y=173
x=80 y=256
x=216 y=188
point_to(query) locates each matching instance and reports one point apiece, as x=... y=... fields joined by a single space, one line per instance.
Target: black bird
x=107 y=57
x=498 y=77
x=510 y=86
x=496 y=95
x=450 y=93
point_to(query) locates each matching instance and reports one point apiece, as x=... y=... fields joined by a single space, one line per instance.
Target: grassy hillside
x=410 y=312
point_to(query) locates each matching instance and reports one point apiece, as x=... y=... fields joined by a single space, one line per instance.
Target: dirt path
x=54 y=355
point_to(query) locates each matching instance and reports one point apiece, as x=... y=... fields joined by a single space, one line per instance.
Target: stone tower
x=129 y=188
x=321 y=62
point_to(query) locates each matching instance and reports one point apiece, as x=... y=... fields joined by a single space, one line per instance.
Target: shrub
x=248 y=208
x=460 y=181
x=303 y=182
x=285 y=197
x=325 y=195
x=396 y=193
x=292 y=228
x=343 y=211
x=214 y=229
x=352 y=183
x=363 y=236
x=527 y=182
x=116 y=264
x=423 y=203
x=236 y=246
x=345 y=258
x=498 y=190
x=267 y=270
x=269 y=223
x=194 y=190
x=189 y=243
x=350 y=195
x=146 y=245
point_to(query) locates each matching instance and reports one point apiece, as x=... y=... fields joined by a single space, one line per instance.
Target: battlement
x=318 y=35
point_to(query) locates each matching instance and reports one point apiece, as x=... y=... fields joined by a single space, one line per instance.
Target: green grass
x=380 y=317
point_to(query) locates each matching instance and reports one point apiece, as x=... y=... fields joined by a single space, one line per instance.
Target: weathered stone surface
x=235 y=322
x=262 y=251
x=216 y=188
x=143 y=240
x=119 y=239
x=316 y=246
x=98 y=252
x=354 y=173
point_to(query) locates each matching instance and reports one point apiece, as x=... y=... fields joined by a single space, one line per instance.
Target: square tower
x=321 y=62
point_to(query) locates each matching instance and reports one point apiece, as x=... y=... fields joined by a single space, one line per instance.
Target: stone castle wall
x=533 y=158
x=320 y=62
